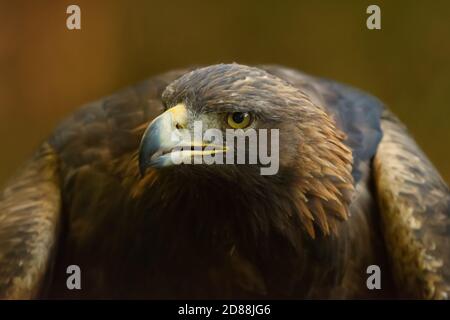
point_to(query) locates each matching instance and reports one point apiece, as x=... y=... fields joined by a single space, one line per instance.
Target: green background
x=46 y=71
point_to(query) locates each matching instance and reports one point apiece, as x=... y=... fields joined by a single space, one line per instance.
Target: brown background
x=46 y=71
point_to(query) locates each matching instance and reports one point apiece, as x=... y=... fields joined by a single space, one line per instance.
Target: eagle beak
x=167 y=138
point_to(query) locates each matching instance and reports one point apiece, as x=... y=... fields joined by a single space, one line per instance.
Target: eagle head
x=295 y=158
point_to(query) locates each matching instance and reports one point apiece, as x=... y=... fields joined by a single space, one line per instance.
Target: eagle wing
x=29 y=222
x=415 y=213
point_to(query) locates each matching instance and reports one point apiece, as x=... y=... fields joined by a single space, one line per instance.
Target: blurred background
x=47 y=71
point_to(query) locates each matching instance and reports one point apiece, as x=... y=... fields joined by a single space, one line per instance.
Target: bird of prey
x=353 y=190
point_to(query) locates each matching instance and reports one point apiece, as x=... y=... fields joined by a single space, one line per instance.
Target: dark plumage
x=353 y=189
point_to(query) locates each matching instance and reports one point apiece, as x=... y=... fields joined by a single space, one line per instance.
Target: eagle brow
x=224 y=108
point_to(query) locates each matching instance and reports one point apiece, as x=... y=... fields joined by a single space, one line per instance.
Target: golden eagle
x=352 y=190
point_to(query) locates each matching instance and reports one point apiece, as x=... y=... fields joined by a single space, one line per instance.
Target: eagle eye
x=238 y=120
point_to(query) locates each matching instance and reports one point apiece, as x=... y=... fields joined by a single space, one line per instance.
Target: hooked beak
x=167 y=142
